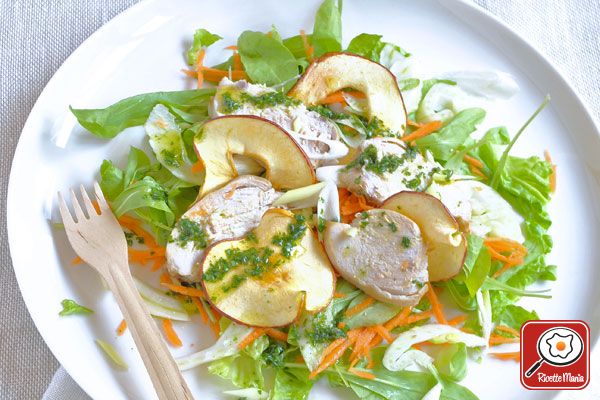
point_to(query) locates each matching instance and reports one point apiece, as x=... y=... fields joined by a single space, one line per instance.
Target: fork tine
x=78 y=211
x=64 y=210
x=89 y=206
x=100 y=197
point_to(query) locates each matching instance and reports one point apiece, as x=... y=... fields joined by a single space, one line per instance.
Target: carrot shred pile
x=507 y=251
x=308 y=48
x=436 y=307
x=553 y=174
x=154 y=254
x=251 y=337
x=170 y=333
x=422 y=131
x=350 y=204
x=121 y=328
x=363 y=305
x=187 y=291
x=515 y=356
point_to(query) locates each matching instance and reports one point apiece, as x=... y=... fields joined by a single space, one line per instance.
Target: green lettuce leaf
x=240 y=369
x=451 y=136
x=202 y=39
x=453 y=391
x=515 y=316
x=367 y=45
x=327 y=32
x=451 y=361
x=266 y=59
x=291 y=384
x=133 y=111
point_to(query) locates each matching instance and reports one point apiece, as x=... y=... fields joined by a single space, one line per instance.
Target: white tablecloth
x=37 y=36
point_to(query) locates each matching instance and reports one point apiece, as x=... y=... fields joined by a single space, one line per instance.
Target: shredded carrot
x=507 y=329
x=199 y=67
x=436 y=307
x=457 y=320
x=418 y=317
x=516 y=253
x=145 y=256
x=476 y=171
x=350 y=204
x=157 y=264
x=134 y=226
x=214 y=75
x=472 y=161
x=422 y=131
x=197 y=167
x=336 y=97
x=497 y=339
x=413 y=123
x=466 y=330
x=341 y=325
x=360 y=338
x=398 y=319
x=515 y=356
x=165 y=278
x=339 y=295
x=384 y=333
x=251 y=337
x=362 y=374
x=363 y=305
x=237 y=61
x=216 y=328
x=277 y=334
x=121 y=328
x=331 y=358
x=232 y=47
x=187 y=291
x=76 y=261
x=553 y=174
x=198 y=303
x=299 y=358
x=308 y=49
x=170 y=333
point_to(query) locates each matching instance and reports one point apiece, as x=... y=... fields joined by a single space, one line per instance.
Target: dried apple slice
x=336 y=71
x=270 y=277
x=286 y=164
x=382 y=253
x=446 y=245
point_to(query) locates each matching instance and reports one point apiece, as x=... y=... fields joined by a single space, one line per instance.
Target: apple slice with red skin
x=285 y=288
x=446 y=244
x=336 y=71
x=220 y=139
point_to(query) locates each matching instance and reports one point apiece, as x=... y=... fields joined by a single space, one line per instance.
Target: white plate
x=141 y=51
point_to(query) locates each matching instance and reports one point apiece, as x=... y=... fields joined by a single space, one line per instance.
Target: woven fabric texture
x=36 y=36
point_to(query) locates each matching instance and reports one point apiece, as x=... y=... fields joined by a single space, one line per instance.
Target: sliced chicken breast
x=383 y=167
x=227 y=213
x=382 y=252
x=318 y=136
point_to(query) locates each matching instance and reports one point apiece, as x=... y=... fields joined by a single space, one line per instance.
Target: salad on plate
x=330 y=213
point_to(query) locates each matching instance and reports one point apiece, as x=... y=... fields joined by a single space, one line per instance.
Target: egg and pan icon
x=558 y=347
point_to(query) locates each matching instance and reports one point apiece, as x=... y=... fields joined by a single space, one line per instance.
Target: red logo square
x=555 y=355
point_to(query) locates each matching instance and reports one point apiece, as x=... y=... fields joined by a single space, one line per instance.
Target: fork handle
x=164 y=373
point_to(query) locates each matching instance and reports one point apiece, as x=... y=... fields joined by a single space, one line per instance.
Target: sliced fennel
x=110 y=351
x=165 y=139
x=159 y=304
x=328 y=207
x=303 y=197
x=484 y=313
x=436 y=333
x=226 y=345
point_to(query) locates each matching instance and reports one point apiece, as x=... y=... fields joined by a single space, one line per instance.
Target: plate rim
x=450 y=5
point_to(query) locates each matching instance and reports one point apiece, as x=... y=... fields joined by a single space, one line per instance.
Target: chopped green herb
x=269 y=99
x=254 y=258
x=229 y=104
x=392 y=226
x=369 y=159
x=274 y=354
x=70 y=307
x=295 y=232
x=323 y=331
x=190 y=231
x=405 y=242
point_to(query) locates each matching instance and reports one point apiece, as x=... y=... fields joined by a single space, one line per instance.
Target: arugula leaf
x=266 y=59
x=70 y=307
x=112 y=179
x=327 y=32
x=202 y=39
x=367 y=45
x=451 y=361
x=447 y=140
x=291 y=384
x=133 y=111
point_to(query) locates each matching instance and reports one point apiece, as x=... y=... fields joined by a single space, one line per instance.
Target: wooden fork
x=99 y=240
